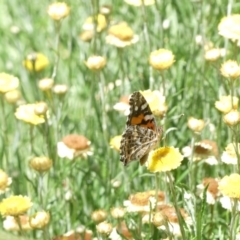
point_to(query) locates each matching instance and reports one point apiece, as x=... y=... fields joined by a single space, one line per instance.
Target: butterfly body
x=141 y=134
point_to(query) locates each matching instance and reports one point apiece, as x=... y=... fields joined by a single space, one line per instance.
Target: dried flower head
x=10 y=223
x=35 y=62
x=232 y=118
x=124 y=230
x=99 y=19
x=13 y=96
x=74 y=145
x=229 y=27
x=138 y=3
x=206 y=148
x=60 y=89
x=104 y=228
x=118 y=212
x=156 y=101
x=15 y=205
x=99 y=215
x=8 y=82
x=161 y=59
x=96 y=63
x=115 y=142
x=121 y=35
x=230 y=186
x=27 y=114
x=196 y=125
x=39 y=220
x=58 y=10
x=143 y=201
x=40 y=164
x=164 y=159
x=226 y=104
x=212 y=190
x=45 y=84
x=229 y=156
x=5 y=182
x=212 y=55
x=230 y=69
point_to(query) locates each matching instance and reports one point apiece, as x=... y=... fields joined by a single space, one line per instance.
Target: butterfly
x=141 y=134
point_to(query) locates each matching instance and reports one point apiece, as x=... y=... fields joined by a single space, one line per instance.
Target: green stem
x=31 y=138
x=191 y=166
x=163 y=82
x=41 y=190
x=233 y=224
x=156 y=188
x=173 y=193
x=18 y=220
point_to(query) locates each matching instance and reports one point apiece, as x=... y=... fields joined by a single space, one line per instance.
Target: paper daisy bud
x=35 y=62
x=226 y=104
x=106 y=9
x=161 y=59
x=90 y=22
x=86 y=36
x=229 y=156
x=229 y=27
x=138 y=3
x=158 y=219
x=41 y=108
x=115 y=142
x=10 y=223
x=118 y=212
x=60 y=89
x=121 y=35
x=164 y=159
x=230 y=186
x=8 y=82
x=40 y=164
x=12 y=96
x=27 y=114
x=15 y=205
x=58 y=10
x=232 y=118
x=99 y=215
x=212 y=55
x=74 y=145
x=96 y=63
x=115 y=183
x=196 y=125
x=104 y=228
x=39 y=220
x=123 y=105
x=230 y=69
x=5 y=182
x=45 y=84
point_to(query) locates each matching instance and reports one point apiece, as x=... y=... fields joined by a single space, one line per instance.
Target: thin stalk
x=179 y=216
x=233 y=224
x=156 y=188
x=31 y=128
x=163 y=82
x=191 y=166
x=40 y=190
x=18 y=220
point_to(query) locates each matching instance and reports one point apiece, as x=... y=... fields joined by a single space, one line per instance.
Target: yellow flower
x=12 y=96
x=161 y=59
x=39 y=220
x=229 y=27
x=41 y=108
x=156 y=102
x=5 y=181
x=40 y=164
x=36 y=62
x=230 y=186
x=212 y=55
x=121 y=35
x=96 y=63
x=27 y=114
x=195 y=124
x=15 y=205
x=229 y=155
x=224 y=105
x=230 y=69
x=90 y=21
x=138 y=3
x=164 y=159
x=8 y=82
x=58 y=10
x=115 y=142
x=232 y=118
